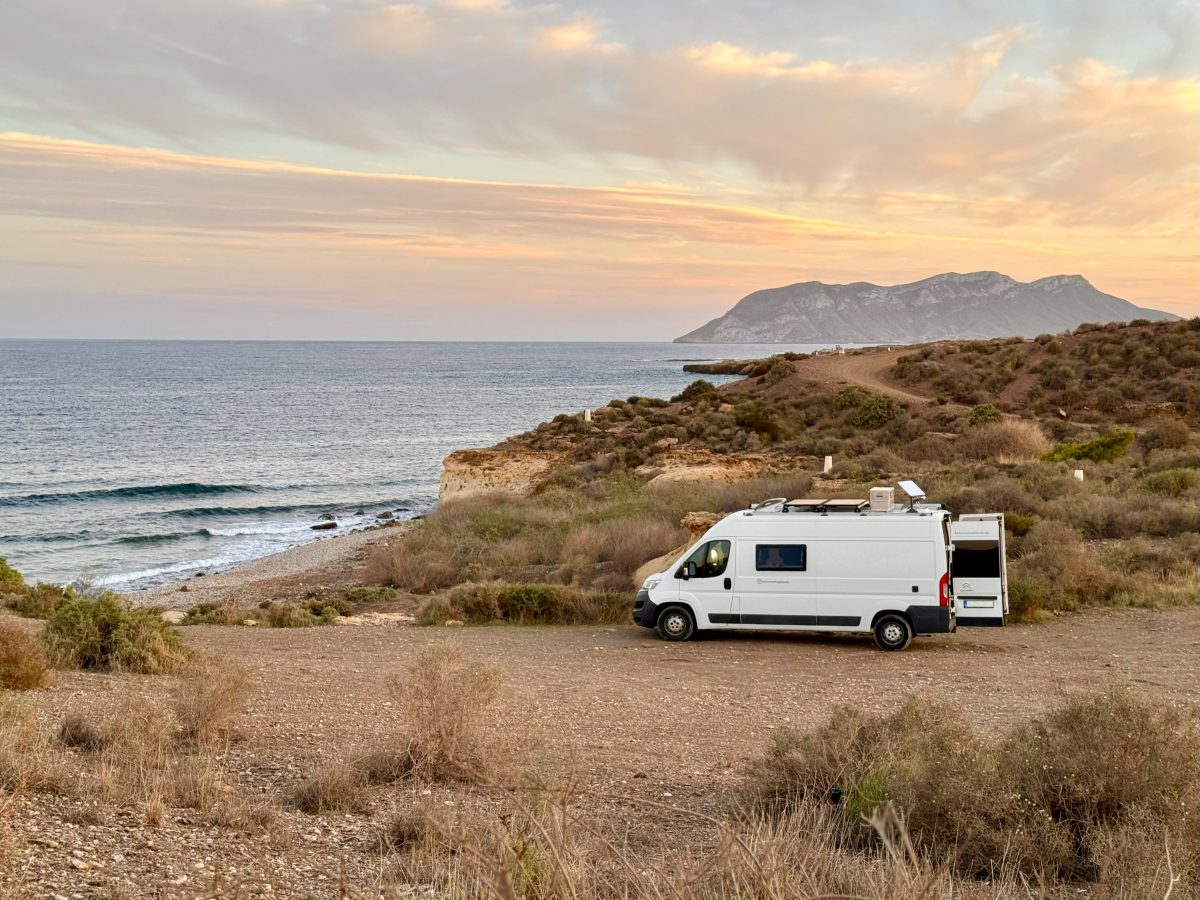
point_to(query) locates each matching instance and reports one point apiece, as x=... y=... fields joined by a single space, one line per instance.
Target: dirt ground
x=635 y=718
x=869 y=368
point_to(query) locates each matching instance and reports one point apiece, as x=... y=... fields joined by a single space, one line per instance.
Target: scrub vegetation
x=1003 y=440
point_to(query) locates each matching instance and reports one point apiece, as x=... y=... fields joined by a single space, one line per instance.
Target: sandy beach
x=328 y=564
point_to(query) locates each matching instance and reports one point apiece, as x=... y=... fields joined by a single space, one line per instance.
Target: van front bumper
x=645 y=610
x=931 y=619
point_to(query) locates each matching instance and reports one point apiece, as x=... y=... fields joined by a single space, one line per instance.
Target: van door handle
x=728 y=583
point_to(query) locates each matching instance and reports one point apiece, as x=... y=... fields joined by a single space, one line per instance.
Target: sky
x=495 y=169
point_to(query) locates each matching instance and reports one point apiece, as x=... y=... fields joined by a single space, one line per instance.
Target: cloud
x=82 y=218
x=544 y=83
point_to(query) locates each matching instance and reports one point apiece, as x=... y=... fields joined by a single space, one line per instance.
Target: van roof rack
x=826 y=506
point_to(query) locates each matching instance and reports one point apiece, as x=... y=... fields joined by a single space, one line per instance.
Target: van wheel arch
x=676 y=622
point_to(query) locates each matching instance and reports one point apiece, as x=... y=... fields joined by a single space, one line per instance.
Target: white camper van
x=869 y=566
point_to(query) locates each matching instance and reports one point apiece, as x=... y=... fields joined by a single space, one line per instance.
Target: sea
x=128 y=464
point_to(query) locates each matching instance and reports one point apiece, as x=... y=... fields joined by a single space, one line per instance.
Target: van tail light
x=944 y=590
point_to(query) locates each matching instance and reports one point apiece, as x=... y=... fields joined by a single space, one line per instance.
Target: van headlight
x=651 y=583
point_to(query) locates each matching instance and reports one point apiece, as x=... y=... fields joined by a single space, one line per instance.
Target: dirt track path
x=867 y=369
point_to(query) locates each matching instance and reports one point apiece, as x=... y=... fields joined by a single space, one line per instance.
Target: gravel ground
x=635 y=718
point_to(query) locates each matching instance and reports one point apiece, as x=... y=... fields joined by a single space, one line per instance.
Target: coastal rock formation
x=477 y=471
x=976 y=305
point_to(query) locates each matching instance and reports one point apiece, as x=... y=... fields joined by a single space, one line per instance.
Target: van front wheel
x=675 y=623
x=893 y=632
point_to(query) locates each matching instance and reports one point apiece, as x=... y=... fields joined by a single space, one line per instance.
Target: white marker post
x=828 y=465
x=1078 y=473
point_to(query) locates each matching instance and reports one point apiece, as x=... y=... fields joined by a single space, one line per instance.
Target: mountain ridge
x=975 y=305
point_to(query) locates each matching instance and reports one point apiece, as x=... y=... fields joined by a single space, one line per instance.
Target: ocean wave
x=157 y=538
x=183 y=489
x=195 y=512
x=261 y=528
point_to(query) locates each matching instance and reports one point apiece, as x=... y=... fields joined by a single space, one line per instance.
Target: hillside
x=976 y=305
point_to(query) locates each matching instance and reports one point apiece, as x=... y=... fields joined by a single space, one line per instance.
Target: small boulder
x=386 y=514
x=326 y=517
x=173 y=616
x=323 y=526
x=453 y=622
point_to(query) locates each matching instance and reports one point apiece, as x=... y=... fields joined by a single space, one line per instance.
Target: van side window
x=710 y=558
x=780 y=557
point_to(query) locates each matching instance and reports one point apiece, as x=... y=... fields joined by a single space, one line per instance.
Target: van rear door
x=978 y=569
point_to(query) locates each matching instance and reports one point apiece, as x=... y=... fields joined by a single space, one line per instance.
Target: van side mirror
x=686 y=571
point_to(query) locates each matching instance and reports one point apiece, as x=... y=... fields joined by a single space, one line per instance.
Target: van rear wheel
x=893 y=632
x=675 y=623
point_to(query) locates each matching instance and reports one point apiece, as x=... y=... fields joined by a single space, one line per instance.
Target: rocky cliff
x=976 y=305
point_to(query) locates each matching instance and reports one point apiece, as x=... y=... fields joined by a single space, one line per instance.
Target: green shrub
x=851 y=397
x=760 y=419
x=984 y=414
x=327 y=607
x=369 y=594
x=214 y=614
x=1109 y=447
x=111 y=634
x=779 y=369
x=39 y=601
x=875 y=412
x=695 y=392
x=1171 y=482
x=11 y=581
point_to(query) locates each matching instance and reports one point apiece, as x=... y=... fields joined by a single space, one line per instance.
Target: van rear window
x=780 y=557
x=975 y=563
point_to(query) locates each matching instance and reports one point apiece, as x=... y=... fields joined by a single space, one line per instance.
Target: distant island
x=975 y=305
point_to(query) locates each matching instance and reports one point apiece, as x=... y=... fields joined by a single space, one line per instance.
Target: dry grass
x=547 y=846
x=22 y=662
x=625 y=543
x=209 y=697
x=1011 y=441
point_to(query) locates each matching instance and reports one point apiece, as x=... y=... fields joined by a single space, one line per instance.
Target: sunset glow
x=499 y=170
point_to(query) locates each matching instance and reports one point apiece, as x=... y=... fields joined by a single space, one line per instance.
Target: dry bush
x=929 y=763
x=1055 y=798
x=78 y=732
x=210 y=695
x=1010 y=441
x=625 y=543
x=385 y=765
x=447 y=701
x=423 y=561
x=334 y=787
x=525 y=604
x=22 y=662
x=1055 y=571
x=110 y=633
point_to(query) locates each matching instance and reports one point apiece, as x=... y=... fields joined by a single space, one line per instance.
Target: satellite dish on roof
x=912 y=489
